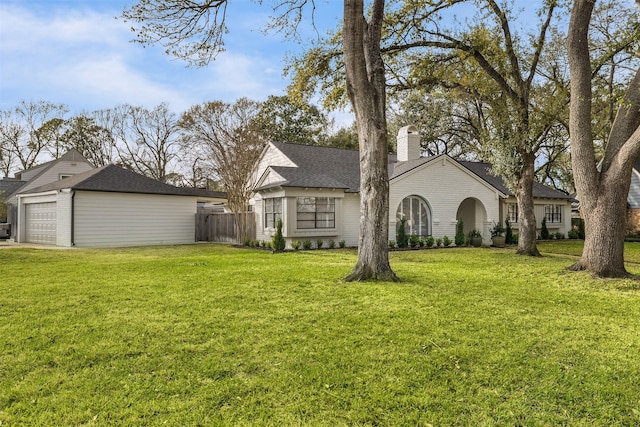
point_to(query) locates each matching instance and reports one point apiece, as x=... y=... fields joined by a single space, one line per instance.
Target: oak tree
x=602 y=187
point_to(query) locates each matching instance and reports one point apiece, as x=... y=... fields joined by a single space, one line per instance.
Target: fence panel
x=221 y=227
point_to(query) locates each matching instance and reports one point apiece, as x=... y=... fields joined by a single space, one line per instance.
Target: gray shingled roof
x=328 y=167
x=320 y=167
x=113 y=178
x=9 y=185
x=483 y=170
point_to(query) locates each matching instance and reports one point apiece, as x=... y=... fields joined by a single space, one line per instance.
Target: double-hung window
x=512 y=212
x=272 y=212
x=553 y=213
x=316 y=212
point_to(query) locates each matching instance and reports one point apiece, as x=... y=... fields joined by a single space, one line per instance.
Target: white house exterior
x=108 y=207
x=315 y=191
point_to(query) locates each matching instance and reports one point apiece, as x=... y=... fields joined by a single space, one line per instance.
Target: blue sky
x=75 y=52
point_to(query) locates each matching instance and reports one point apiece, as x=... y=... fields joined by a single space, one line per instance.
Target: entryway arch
x=474 y=215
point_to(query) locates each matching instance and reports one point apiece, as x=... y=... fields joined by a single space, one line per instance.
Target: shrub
x=295 y=244
x=446 y=241
x=319 y=243
x=459 y=239
x=263 y=244
x=438 y=242
x=544 y=231
x=247 y=241
x=413 y=240
x=559 y=235
x=342 y=244
x=497 y=229
x=508 y=233
x=306 y=244
x=421 y=242
x=392 y=244
x=332 y=244
x=401 y=234
x=278 y=241
x=515 y=238
x=429 y=241
x=572 y=234
x=581 y=229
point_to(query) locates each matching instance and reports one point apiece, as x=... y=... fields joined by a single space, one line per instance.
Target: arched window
x=418 y=215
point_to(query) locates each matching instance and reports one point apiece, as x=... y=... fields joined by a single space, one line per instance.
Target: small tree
x=459 y=239
x=544 y=231
x=401 y=234
x=278 y=240
x=508 y=233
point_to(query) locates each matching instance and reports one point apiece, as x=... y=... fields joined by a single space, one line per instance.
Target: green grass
x=574 y=248
x=211 y=335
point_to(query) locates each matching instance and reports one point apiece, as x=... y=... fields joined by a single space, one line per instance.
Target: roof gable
x=319 y=167
x=401 y=169
x=41 y=174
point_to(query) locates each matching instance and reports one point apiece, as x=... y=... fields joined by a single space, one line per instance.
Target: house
x=109 y=207
x=69 y=164
x=633 y=200
x=315 y=191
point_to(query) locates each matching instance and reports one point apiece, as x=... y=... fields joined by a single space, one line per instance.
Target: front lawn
x=212 y=335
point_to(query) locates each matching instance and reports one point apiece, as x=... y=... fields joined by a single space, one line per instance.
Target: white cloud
x=83 y=58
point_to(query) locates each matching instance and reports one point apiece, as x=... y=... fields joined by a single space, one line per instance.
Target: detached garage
x=109 y=207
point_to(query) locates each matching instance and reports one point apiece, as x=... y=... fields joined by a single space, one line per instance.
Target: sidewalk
x=6 y=244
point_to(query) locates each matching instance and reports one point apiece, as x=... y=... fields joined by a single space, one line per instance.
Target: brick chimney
x=408 y=144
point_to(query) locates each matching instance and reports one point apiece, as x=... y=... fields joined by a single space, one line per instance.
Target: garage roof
x=115 y=179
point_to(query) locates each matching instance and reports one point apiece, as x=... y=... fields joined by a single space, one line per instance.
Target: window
x=512 y=212
x=417 y=214
x=316 y=212
x=272 y=212
x=553 y=213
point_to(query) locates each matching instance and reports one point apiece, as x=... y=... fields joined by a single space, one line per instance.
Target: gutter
x=73 y=196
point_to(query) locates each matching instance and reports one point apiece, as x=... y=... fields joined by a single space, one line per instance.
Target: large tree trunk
x=366 y=89
x=602 y=194
x=603 y=252
x=526 y=217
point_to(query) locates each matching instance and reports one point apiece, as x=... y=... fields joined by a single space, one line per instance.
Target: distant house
x=69 y=164
x=633 y=200
x=315 y=191
x=109 y=207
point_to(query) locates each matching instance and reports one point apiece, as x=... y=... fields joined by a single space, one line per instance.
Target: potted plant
x=476 y=238
x=497 y=235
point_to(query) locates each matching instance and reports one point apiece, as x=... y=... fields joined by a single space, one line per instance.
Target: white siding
x=538 y=210
x=118 y=219
x=444 y=185
x=63 y=228
x=351 y=219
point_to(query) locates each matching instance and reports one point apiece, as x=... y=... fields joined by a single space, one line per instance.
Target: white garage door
x=41 y=223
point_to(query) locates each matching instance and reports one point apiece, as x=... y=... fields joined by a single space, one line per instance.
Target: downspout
x=73 y=196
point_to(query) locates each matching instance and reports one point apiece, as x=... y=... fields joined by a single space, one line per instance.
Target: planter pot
x=498 y=241
x=476 y=242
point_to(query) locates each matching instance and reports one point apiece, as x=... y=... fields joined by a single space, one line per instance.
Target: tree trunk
x=524 y=195
x=602 y=194
x=366 y=89
x=603 y=252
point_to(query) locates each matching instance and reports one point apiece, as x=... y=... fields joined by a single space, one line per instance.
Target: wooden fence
x=221 y=227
